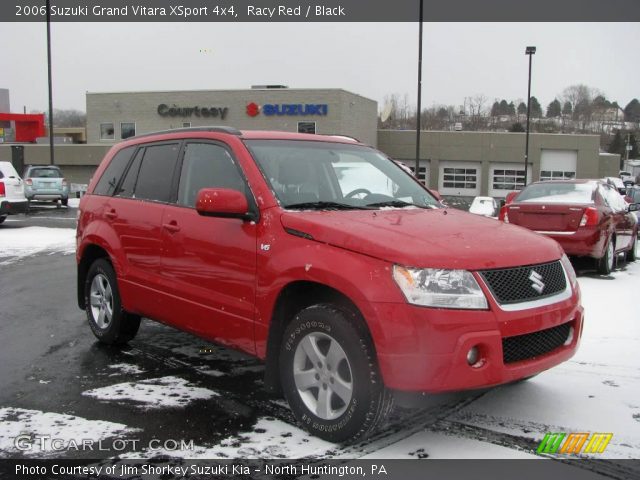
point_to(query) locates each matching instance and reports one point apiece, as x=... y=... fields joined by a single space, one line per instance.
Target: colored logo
x=536 y=281
x=573 y=443
x=253 y=109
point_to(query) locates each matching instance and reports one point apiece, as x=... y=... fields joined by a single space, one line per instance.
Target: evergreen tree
x=567 y=108
x=516 y=127
x=511 y=109
x=632 y=111
x=504 y=108
x=554 y=109
x=536 y=109
x=522 y=108
x=495 y=109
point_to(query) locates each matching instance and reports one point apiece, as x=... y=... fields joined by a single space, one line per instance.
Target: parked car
x=633 y=196
x=486 y=206
x=12 y=199
x=46 y=183
x=347 y=286
x=616 y=183
x=627 y=178
x=587 y=217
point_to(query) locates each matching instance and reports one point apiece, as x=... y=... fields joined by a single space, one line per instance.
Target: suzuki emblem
x=536 y=281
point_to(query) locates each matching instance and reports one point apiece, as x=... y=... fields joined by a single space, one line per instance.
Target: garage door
x=558 y=164
x=507 y=177
x=460 y=178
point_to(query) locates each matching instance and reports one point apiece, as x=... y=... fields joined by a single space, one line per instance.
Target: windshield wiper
x=325 y=206
x=391 y=203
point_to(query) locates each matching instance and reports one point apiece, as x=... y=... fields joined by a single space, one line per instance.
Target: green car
x=45 y=183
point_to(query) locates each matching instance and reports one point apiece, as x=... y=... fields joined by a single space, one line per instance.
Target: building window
x=556 y=175
x=186 y=124
x=460 y=178
x=508 y=179
x=107 y=131
x=127 y=129
x=422 y=173
x=307 y=127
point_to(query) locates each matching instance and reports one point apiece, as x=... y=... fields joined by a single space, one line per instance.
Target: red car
x=589 y=218
x=325 y=259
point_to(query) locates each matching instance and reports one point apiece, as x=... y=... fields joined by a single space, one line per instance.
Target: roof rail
x=217 y=129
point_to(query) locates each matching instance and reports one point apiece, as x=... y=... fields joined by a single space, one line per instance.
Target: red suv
x=325 y=259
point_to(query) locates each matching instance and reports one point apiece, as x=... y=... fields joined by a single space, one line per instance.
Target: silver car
x=45 y=183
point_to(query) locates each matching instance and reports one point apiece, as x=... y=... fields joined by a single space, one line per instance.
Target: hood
x=439 y=238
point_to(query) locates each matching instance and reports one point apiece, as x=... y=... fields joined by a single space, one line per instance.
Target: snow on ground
x=269 y=439
x=17 y=243
x=165 y=392
x=45 y=426
x=125 y=369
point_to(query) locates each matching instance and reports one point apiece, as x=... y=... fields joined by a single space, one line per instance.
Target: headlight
x=571 y=273
x=431 y=287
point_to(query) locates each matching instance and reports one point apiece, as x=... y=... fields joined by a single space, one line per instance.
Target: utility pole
x=531 y=52
x=51 y=161
x=419 y=109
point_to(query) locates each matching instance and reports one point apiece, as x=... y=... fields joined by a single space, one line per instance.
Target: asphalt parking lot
x=168 y=385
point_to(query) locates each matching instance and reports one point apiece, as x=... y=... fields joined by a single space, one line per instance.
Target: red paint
x=28 y=127
x=253 y=109
x=220 y=278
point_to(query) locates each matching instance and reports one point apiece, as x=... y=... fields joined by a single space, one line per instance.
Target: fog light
x=473 y=356
x=569 y=337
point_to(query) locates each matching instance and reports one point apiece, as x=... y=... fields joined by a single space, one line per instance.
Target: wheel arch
x=292 y=298
x=90 y=254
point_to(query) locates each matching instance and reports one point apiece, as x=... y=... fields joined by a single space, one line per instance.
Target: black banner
x=321 y=11
x=167 y=469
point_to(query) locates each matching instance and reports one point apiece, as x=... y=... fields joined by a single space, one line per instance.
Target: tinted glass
x=128 y=184
x=206 y=165
x=156 y=172
x=127 y=130
x=48 y=172
x=111 y=176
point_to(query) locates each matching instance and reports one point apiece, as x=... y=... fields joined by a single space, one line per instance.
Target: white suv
x=12 y=199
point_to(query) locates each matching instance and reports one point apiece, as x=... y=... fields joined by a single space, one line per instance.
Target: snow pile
x=44 y=426
x=165 y=392
x=269 y=439
x=16 y=243
x=125 y=369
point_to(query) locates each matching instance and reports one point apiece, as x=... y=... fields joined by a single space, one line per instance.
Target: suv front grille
x=531 y=345
x=523 y=284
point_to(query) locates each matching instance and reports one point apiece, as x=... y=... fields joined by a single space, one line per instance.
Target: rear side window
x=129 y=183
x=111 y=176
x=206 y=165
x=156 y=172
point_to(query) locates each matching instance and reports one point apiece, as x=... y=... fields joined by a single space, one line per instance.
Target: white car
x=486 y=206
x=626 y=177
x=12 y=199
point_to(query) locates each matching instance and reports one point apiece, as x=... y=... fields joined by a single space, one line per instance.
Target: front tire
x=605 y=264
x=108 y=321
x=3 y=218
x=330 y=375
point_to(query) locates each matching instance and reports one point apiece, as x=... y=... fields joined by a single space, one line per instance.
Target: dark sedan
x=589 y=218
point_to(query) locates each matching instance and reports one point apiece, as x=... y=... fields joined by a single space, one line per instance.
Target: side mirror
x=634 y=207
x=222 y=202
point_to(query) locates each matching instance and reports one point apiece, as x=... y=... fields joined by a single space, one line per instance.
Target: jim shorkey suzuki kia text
x=325 y=259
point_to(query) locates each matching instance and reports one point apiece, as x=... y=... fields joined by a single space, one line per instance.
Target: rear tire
x=340 y=402
x=108 y=321
x=632 y=255
x=606 y=263
x=65 y=201
x=3 y=218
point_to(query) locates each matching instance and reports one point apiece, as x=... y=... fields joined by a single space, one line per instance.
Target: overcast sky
x=371 y=59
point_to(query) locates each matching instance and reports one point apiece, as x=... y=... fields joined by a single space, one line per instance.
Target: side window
x=111 y=176
x=206 y=165
x=129 y=182
x=156 y=172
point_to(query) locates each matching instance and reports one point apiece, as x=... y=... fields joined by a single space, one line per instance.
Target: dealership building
x=457 y=163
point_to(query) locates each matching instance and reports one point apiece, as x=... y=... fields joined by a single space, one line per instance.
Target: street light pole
x=529 y=51
x=48 y=4
x=418 y=119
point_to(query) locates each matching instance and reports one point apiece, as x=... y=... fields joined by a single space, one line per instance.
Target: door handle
x=171 y=226
x=111 y=214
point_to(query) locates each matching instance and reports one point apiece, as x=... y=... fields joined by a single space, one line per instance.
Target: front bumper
x=12 y=207
x=425 y=349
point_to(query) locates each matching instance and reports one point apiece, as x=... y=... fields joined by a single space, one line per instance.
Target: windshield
x=552 y=192
x=323 y=175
